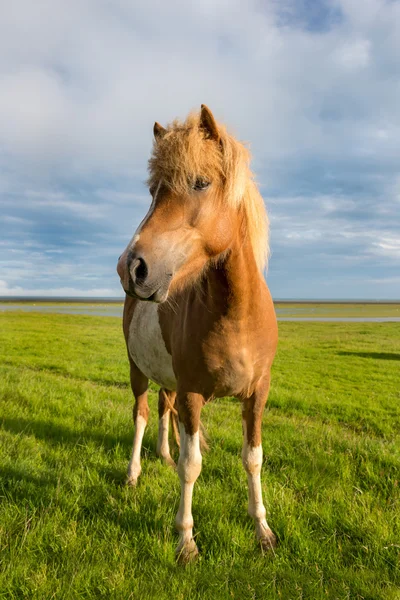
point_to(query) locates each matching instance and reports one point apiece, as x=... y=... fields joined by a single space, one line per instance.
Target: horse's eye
x=200 y=184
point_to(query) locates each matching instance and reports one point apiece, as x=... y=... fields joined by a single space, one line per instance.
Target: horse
x=198 y=318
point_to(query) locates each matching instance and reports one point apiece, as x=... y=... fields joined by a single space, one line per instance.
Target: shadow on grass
x=92 y=501
x=377 y=355
x=43 y=494
x=57 y=434
x=19 y=485
x=62 y=372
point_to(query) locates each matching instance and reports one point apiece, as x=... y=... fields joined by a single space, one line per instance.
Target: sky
x=312 y=85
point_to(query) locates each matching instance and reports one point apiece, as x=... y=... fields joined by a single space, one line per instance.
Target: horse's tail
x=204 y=447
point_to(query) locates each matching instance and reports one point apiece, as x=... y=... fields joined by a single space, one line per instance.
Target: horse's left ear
x=159 y=131
x=208 y=124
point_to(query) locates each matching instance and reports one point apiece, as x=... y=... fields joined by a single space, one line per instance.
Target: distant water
x=97 y=310
x=120 y=300
x=115 y=310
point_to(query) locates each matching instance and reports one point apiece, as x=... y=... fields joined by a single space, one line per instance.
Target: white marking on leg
x=163 y=442
x=134 y=467
x=252 y=462
x=189 y=467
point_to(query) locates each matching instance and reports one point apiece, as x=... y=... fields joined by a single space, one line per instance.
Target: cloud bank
x=314 y=87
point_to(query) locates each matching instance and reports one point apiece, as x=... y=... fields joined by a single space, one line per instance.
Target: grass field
x=70 y=529
x=284 y=309
x=343 y=310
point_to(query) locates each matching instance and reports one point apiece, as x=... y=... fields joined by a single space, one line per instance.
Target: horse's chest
x=147 y=347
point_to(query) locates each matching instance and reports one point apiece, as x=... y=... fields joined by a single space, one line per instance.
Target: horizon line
x=121 y=299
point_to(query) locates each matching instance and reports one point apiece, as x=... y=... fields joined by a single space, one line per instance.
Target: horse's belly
x=147 y=347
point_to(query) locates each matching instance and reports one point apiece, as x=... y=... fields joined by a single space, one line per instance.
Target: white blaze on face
x=136 y=236
x=122 y=262
x=147 y=348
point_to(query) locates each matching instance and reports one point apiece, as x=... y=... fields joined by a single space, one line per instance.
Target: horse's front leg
x=166 y=401
x=139 y=384
x=189 y=467
x=252 y=455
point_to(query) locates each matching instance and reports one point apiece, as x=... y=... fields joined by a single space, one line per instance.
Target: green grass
x=284 y=309
x=340 y=309
x=70 y=529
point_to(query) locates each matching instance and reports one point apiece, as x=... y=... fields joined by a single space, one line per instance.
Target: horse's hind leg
x=139 y=384
x=252 y=461
x=166 y=401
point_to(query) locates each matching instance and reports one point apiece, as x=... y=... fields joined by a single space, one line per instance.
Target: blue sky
x=313 y=86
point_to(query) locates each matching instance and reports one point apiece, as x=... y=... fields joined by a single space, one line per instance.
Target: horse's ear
x=208 y=124
x=159 y=131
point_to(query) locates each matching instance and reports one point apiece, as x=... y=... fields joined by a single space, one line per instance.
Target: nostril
x=139 y=270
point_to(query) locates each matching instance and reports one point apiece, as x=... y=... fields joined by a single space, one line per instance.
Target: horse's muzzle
x=158 y=296
x=141 y=282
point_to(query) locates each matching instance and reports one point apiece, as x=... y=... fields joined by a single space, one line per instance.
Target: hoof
x=131 y=481
x=187 y=553
x=268 y=541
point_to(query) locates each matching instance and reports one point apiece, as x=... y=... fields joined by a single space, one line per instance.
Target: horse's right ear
x=159 y=131
x=208 y=124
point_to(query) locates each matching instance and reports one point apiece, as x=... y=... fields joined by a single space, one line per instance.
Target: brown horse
x=208 y=328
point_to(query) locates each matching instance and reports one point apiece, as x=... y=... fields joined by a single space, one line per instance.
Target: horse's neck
x=235 y=282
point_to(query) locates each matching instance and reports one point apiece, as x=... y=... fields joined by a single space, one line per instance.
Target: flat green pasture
x=340 y=309
x=70 y=529
x=284 y=309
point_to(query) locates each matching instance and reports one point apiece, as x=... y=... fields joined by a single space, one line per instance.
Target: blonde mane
x=185 y=153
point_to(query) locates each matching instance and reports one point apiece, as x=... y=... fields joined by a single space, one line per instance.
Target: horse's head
x=198 y=177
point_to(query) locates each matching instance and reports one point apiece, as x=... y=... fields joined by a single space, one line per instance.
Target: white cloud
x=81 y=83
x=388 y=246
x=353 y=55
x=10 y=219
x=63 y=292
